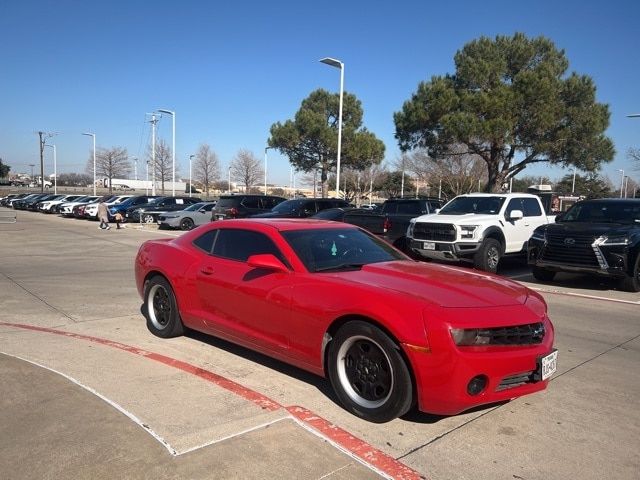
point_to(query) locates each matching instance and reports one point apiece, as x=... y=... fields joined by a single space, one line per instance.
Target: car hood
x=466 y=218
x=441 y=285
x=595 y=229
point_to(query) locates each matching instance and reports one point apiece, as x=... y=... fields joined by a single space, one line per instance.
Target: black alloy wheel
x=368 y=374
x=187 y=224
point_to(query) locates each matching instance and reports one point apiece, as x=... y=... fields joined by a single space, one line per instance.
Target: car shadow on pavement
x=416 y=416
x=320 y=383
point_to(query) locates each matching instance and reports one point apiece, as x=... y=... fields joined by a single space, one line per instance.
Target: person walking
x=103 y=215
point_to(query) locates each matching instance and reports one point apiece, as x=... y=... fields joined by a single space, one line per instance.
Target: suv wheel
x=488 y=256
x=631 y=282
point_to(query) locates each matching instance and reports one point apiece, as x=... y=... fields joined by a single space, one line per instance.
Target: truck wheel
x=542 y=274
x=631 y=282
x=488 y=256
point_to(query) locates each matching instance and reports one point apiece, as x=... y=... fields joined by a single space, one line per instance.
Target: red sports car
x=336 y=301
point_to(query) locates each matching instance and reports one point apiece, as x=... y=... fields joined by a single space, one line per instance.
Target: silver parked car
x=191 y=217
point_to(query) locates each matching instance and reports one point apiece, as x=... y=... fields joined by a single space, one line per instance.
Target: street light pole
x=173 y=147
x=573 y=184
x=55 y=169
x=621 y=181
x=229 y=173
x=265 y=169
x=338 y=64
x=135 y=168
x=190 y=185
x=88 y=134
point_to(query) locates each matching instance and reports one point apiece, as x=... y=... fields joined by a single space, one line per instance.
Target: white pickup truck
x=482 y=227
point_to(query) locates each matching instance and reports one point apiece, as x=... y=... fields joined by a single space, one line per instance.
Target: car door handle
x=206 y=270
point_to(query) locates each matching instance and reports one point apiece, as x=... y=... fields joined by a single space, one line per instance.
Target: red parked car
x=335 y=300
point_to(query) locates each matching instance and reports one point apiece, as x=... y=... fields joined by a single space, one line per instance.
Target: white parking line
x=582 y=295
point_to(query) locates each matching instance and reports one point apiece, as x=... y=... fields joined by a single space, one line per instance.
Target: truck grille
x=529 y=334
x=570 y=249
x=443 y=232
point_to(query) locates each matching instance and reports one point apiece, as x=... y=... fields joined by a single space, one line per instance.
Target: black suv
x=241 y=206
x=303 y=207
x=599 y=237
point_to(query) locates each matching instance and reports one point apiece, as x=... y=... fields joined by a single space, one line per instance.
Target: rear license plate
x=429 y=246
x=548 y=365
x=219 y=217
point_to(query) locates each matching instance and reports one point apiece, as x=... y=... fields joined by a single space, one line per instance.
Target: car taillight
x=386 y=225
x=233 y=212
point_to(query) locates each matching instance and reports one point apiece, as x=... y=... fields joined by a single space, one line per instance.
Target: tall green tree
x=511 y=102
x=310 y=140
x=4 y=169
x=591 y=185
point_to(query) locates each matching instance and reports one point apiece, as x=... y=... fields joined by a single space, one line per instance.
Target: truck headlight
x=412 y=224
x=540 y=235
x=468 y=231
x=619 y=240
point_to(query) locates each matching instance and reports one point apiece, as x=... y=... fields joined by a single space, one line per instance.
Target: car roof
x=286 y=224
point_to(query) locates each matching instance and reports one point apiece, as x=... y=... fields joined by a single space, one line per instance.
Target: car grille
x=514 y=381
x=579 y=253
x=443 y=232
x=529 y=334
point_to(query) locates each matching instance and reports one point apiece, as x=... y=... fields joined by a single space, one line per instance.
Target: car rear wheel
x=368 y=374
x=186 y=224
x=148 y=218
x=631 y=282
x=488 y=256
x=161 y=308
x=543 y=274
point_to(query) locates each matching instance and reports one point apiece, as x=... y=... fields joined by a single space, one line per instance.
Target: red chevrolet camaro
x=332 y=299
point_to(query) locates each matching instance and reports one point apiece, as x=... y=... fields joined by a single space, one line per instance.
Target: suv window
x=236 y=244
x=251 y=202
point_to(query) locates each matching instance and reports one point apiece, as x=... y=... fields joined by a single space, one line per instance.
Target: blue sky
x=230 y=70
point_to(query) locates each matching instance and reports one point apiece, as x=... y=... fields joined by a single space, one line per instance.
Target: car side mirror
x=267 y=261
x=436 y=210
x=516 y=215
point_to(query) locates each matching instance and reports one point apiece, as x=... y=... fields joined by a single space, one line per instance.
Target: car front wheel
x=488 y=256
x=148 y=218
x=186 y=224
x=542 y=274
x=631 y=282
x=161 y=308
x=368 y=374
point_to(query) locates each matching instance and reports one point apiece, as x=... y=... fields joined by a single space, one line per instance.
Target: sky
x=232 y=69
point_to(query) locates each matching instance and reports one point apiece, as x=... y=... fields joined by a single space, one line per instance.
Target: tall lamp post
x=337 y=64
x=621 y=181
x=55 y=169
x=265 y=169
x=173 y=147
x=88 y=134
x=190 y=186
x=135 y=168
x=229 y=173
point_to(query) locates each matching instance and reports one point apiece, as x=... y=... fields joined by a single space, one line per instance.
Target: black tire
x=488 y=256
x=631 y=282
x=187 y=224
x=368 y=374
x=148 y=218
x=404 y=245
x=161 y=309
x=543 y=274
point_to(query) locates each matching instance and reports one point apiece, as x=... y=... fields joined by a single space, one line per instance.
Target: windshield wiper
x=341 y=266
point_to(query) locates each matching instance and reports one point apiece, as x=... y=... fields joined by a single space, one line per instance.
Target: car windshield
x=288 y=206
x=195 y=206
x=479 y=205
x=603 y=212
x=323 y=250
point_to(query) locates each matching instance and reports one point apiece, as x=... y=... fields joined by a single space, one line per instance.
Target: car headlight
x=410 y=228
x=468 y=231
x=470 y=336
x=540 y=235
x=619 y=240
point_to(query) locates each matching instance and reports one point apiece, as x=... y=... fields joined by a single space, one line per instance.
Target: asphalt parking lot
x=89 y=393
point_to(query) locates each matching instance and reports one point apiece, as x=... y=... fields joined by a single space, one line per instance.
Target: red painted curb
x=358 y=448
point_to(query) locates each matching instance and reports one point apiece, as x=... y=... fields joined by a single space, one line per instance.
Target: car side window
x=205 y=241
x=514 y=204
x=531 y=207
x=208 y=207
x=251 y=202
x=237 y=244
